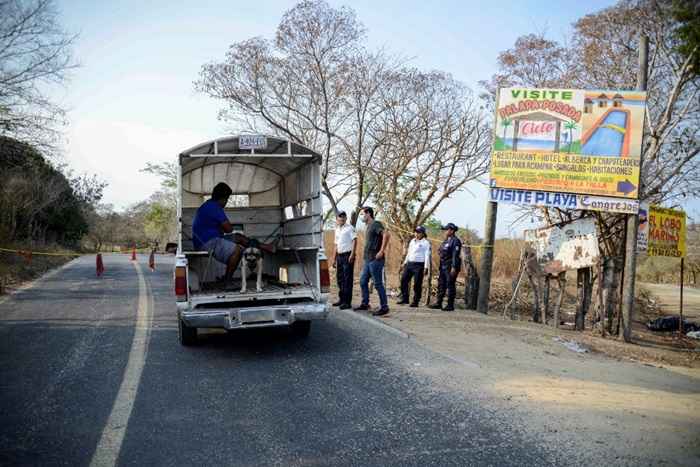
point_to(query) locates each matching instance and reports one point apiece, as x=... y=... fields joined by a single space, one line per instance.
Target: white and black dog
x=252 y=261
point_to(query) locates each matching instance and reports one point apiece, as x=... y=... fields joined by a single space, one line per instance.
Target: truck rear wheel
x=301 y=328
x=186 y=334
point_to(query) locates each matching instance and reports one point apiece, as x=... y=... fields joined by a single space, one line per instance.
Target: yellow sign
x=666 y=232
x=568 y=140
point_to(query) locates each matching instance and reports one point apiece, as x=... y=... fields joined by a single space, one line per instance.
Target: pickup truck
x=277 y=199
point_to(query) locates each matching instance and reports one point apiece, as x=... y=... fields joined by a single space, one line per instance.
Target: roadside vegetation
x=44 y=206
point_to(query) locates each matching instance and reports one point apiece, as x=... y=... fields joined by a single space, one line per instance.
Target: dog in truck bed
x=252 y=263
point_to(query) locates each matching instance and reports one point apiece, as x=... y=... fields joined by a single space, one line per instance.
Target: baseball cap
x=450 y=226
x=420 y=229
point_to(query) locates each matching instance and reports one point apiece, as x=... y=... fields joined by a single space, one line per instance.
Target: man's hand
x=335 y=262
x=454 y=273
x=351 y=259
x=380 y=255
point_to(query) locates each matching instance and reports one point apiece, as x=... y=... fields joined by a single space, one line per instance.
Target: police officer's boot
x=450 y=306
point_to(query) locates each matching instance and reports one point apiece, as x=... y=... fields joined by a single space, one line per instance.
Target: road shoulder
x=635 y=407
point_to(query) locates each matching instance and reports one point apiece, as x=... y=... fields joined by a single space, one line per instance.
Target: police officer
x=450 y=265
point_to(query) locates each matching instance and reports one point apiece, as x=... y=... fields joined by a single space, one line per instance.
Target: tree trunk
x=609 y=291
x=561 y=279
x=600 y=304
x=329 y=195
x=471 y=285
x=618 y=294
x=534 y=283
x=584 y=290
x=545 y=298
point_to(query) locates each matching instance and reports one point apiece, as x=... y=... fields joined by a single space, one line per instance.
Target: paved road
x=669 y=298
x=81 y=383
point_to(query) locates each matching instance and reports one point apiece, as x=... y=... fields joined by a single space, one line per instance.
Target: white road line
x=389 y=328
x=108 y=448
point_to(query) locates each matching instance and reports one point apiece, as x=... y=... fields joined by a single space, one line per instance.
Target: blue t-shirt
x=207 y=223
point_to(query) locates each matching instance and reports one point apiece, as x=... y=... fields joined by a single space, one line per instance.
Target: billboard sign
x=563 y=200
x=667 y=231
x=565 y=247
x=568 y=141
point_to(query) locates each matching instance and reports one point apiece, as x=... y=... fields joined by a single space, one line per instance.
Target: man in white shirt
x=344 y=259
x=416 y=263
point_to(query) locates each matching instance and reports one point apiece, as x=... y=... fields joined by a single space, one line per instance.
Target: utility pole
x=633 y=219
x=482 y=305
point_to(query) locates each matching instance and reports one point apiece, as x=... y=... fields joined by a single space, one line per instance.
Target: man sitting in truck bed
x=209 y=225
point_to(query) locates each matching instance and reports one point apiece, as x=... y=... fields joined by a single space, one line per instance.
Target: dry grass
x=16 y=269
x=507 y=255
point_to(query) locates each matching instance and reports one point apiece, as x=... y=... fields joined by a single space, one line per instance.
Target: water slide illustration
x=609 y=136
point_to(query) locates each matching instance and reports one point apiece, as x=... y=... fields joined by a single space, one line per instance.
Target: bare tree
x=295 y=86
x=533 y=61
x=371 y=74
x=433 y=139
x=318 y=85
x=102 y=230
x=606 y=44
x=34 y=52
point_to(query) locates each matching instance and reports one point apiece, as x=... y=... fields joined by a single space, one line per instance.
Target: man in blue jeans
x=376 y=243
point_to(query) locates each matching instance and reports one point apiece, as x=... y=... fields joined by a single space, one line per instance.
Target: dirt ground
x=16 y=269
x=628 y=404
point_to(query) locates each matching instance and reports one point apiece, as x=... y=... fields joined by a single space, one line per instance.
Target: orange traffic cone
x=99 y=266
x=133 y=254
x=26 y=255
x=152 y=260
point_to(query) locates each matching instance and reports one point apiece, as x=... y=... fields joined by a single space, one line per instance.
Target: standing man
x=376 y=243
x=415 y=264
x=344 y=259
x=450 y=264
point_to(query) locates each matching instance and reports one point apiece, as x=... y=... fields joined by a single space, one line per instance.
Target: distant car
x=171 y=248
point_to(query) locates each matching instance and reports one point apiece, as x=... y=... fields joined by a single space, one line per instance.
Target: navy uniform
x=450 y=260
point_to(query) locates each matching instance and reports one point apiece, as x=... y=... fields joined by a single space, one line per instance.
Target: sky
x=132 y=100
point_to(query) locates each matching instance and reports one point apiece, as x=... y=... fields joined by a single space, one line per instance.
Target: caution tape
x=41 y=253
x=434 y=240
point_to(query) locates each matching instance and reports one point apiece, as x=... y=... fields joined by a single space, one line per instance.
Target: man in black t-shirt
x=376 y=242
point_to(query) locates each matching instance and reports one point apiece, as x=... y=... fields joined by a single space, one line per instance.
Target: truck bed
x=270 y=285
x=218 y=294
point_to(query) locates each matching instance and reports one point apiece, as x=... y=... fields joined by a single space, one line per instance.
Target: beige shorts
x=222 y=249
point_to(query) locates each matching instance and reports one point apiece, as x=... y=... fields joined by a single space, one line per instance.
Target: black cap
x=450 y=226
x=420 y=229
x=341 y=214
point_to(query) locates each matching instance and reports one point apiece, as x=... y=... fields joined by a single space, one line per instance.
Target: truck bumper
x=253 y=317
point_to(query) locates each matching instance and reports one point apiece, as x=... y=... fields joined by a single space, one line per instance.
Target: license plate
x=255 y=316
